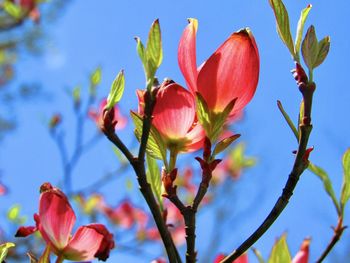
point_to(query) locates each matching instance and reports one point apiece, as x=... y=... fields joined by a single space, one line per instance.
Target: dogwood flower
x=55 y=222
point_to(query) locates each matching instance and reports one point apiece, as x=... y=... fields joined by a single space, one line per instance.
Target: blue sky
x=92 y=33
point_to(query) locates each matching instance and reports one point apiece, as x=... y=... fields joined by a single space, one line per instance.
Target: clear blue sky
x=91 y=33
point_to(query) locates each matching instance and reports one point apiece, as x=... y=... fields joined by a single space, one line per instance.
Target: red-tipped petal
x=56 y=218
x=83 y=245
x=187 y=54
x=231 y=72
x=174 y=111
x=107 y=243
x=303 y=255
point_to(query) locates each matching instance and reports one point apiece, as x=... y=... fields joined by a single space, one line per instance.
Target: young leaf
x=288 y=120
x=116 y=91
x=154 y=178
x=323 y=48
x=327 y=184
x=282 y=21
x=142 y=54
x=155 y=144
x=45 y=257
x=345 y=193
x=303 y=15
x=203 y=112
x=4 y=250
x=280 y=252
x=222 y=145
x=13 y=10
x=310 y=48
x=95 y=77
x=258 y=255
x=154 y=51
x=217 y=121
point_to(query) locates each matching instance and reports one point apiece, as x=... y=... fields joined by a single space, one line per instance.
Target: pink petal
x=56 y=218
x=83 y=245
x=107 y=243
x=196 y=137
x=231 y=72
x=174 y=111
x=303 y=255
x=187 y=54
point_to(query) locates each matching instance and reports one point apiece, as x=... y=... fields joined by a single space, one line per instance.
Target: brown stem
x=338 y=231
x=300 y=164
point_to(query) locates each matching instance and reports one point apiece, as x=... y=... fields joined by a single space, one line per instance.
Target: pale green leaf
x=154 y=178
x=310 y=48
x=117 y=90
x=4 y=250
x=203 y=112
x=45 y=257
x=96 y=76
x=299 y=35
x=154 y=50
x=345 y=193
x=218 y=120
x=155 y=144
x=323 y=49
x=327 y=184
x=280 y=252
x=222 y=145
x=12 y=9
x=282 y=21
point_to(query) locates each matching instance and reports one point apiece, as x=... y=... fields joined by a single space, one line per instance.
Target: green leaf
x=327 y=184
x=154 y=52
x=288 y=120
x=142 y=54
x=117 y=90
x=12 y=9
x=310 y=48
x=323 y=49
x=95 y=77
x=203 y=112
x=217 y=121
x=345 y=193
x=222 y=145
x=155 y=145
x=154 y=178
x=4 y=250
x=280 y=252
x=282 y=21
x=299 y=35
x=13 y=212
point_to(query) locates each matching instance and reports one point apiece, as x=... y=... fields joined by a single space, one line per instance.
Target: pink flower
x=175 y=118
x=303 y=255
x=55 y=222
x=231 y=72
x=97 y=116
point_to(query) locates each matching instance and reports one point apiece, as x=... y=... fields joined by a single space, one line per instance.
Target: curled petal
x=56 y=218
x=174 y=111
x=187 y=54
x=107 y=242
x=231 y=72
x=24 y=231
x=196 y=138
x=83 y=245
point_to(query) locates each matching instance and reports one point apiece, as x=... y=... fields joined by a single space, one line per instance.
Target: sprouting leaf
x=117 y=90
x=142 y=53
x=258 y=255
x=327 y=184
x=222 y=145
x=323 y=49
x=155 y=144
x=280 y=252
x=282 y=21
x=154 y=178
x=95 y=77
x=4 y=250
x=288 y=120
x=12 y=9
x=218 y=120
x=310 y=48
x=32 y=258
x=299 y=35
x=154 y=50
x=345 y=193
x=203 y=112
